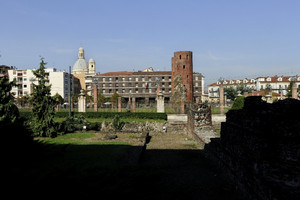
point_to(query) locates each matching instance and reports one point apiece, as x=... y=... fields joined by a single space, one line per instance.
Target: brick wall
x=259 y=148
x=182 y=64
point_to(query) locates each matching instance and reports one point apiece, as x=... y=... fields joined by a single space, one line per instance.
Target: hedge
x=107 y=115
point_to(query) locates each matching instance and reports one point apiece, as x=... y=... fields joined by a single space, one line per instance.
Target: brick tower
x=182 y=64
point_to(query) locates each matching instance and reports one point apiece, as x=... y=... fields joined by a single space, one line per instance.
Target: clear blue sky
x=229 y=38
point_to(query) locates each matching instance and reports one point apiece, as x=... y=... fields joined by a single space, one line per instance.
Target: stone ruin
x=259 y=148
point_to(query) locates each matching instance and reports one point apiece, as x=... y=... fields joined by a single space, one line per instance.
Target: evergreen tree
x=43 y=105
x=8 y=111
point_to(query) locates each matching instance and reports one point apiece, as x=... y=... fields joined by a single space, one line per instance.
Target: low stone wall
x=151 y=127
x=259 y=149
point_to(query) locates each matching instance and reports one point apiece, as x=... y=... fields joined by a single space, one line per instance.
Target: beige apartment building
x=143 y=85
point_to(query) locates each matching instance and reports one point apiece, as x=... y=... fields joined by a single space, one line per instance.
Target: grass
x=216 y=110
x=76 y=139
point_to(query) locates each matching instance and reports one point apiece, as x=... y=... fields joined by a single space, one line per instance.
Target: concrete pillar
x=160 y=104
x=95 y=99
x=81 y=102
x=119 y=104
x=221 y=99
x=72 y=105
x=133 y=105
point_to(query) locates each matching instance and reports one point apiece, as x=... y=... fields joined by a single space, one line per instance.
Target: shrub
x=238 y=103
x=117 y=123
x=76 y=123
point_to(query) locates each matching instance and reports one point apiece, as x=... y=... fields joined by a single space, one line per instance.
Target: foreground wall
x=259 y=148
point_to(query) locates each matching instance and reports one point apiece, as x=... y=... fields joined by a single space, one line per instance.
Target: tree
x=43 y=105
x=8 y=111
x=114 y=98
x=100 y=98
x=238 y=103
x=231 y=93
x=58 y=99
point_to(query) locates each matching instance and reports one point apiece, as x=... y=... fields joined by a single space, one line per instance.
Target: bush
x=76 y=123
x=238 y=103
x=117 y=123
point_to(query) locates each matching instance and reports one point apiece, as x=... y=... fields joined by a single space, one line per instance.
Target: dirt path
x=182 y=171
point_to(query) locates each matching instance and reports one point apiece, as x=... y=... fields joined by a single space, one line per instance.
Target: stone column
x=182 y=109
x=119 y=104
x=133 y=105
x=294 y=91
x=95 y=99
x=221 y=99
x=81 y=102
x=160 y=104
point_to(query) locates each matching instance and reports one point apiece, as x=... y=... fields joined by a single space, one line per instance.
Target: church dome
x=80 y=65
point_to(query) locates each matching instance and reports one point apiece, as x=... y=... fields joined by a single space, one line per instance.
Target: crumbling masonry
x=259 y=148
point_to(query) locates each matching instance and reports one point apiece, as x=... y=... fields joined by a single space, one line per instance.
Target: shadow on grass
x=106 y=171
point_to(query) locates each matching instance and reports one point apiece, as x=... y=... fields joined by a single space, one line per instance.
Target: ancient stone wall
x=259 y=148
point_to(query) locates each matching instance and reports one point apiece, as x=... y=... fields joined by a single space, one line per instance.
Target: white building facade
x=59 y=81
x=278 y=84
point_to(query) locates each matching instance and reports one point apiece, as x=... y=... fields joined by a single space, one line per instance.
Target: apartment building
x=278 y=84
x=143 y=85
x=59 y=81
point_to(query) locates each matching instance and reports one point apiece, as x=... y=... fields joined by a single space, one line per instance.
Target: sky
x=233 y=39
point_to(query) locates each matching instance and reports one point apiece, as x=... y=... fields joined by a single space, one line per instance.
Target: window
x=123 y=90
x=150 y=90
x=187 y=57
x=123 y=78
x=103 y=85
x=117 y=84
x=143 y=78
x=109 y=79
x=109 y=91
x=130 y=79
x=183 y=66
x=136 y=85
x=103 y=91
x=136 y=79
x=196 y=84
x=117 y=79
x=143 y=90
x=129 y=84
x=130 y=91
x=123 y=84
x=196 y=78
x=25 y=86
x=180 y=57
x=136 y=90
x=103 y=79
x=149 y=78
